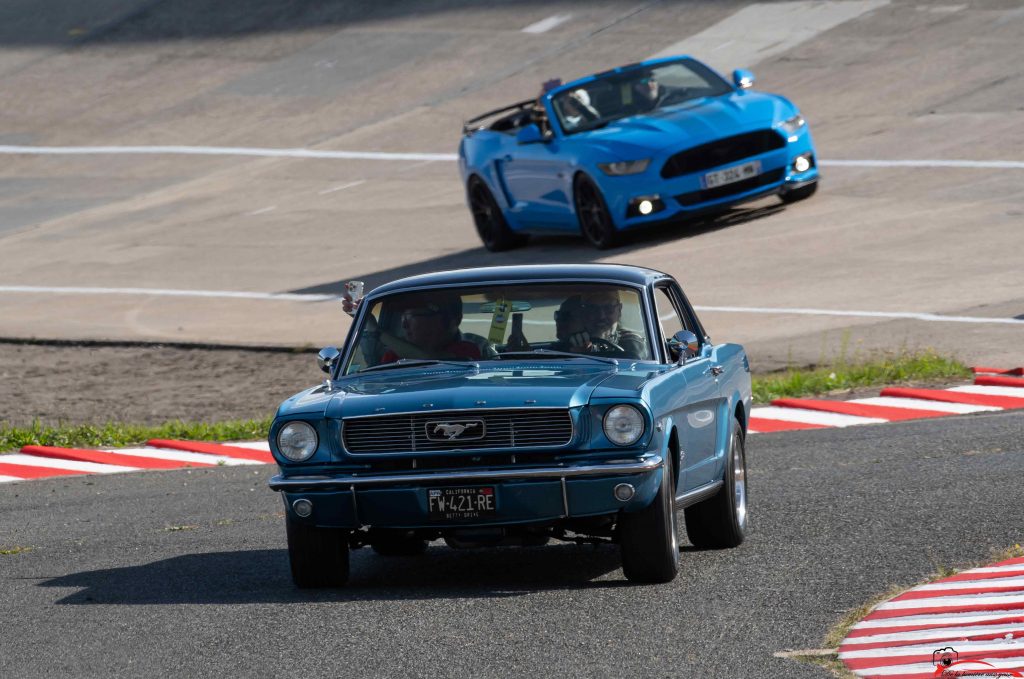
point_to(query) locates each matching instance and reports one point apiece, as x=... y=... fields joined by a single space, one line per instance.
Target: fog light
x=624 y=492
x=303 y=507
x=642 y=206
x=802 y=164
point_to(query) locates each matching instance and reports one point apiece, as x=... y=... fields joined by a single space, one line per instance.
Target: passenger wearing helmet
x=577 y=110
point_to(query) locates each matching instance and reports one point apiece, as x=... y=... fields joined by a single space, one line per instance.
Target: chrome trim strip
x=697 y=494
x=350 y=482
x=428 y=411
x=565 y=500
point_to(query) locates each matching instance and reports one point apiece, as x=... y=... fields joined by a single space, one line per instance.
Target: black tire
x=802 y=193
x=593 y=215
x=647 y=539
x=721 y=521
x=318 y=556
x=490 y=221
x=396 y=543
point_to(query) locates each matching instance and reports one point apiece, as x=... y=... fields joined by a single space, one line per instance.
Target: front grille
x=527 y=428
x=764 y=179
x=459 y=462
x=722 y=152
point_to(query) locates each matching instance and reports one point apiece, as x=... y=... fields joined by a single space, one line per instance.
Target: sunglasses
x=602 y=308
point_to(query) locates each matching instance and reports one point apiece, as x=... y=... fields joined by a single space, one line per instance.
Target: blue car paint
x=683 y=402
x=537 y=195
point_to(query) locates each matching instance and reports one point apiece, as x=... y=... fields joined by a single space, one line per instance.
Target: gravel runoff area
x=97 y=383
x=94 y=383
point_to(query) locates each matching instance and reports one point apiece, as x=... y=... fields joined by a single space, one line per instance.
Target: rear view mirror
x=530 y=134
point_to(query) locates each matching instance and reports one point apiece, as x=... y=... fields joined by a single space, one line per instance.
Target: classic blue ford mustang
x=643 y=143
x=515 y=405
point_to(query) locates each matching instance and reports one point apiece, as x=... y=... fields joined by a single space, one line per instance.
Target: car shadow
x=553 y=249
x=262 y=576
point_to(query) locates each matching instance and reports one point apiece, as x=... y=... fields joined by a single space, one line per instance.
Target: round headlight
x=623 y=425
x=297 y=441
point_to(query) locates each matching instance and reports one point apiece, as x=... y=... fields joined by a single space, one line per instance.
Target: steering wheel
x=602 y=345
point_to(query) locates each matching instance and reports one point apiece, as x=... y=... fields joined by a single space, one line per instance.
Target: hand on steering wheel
x=603 y=345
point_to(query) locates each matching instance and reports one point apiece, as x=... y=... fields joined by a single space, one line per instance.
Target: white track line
x=72 y=465
x=294 y=297
x=219 y=151
x=812 y=416
x=922 y=404
x=761 y=30
x=861 y=314
x=8 y=479
x=163 y=292
x=1014 y=392
x=449 y=157
x=545 y=25
x=342 y=187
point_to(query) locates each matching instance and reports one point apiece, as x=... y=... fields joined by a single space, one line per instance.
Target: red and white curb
x=978 y=614
x=35 y=462
x=993 y=390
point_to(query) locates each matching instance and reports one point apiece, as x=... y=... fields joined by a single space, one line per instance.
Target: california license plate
x=729 y=175
x=453 y=504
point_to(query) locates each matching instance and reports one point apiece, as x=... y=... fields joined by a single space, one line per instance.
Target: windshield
x=482 y=323
x=634 y=92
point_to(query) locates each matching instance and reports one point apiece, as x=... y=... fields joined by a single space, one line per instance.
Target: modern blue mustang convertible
x=643 y=143
x=515 y=405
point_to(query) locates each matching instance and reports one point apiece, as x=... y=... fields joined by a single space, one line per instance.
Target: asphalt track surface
x=184 y=573
x=879 y=81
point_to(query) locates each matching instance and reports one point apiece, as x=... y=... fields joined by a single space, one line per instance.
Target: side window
x=668 y=316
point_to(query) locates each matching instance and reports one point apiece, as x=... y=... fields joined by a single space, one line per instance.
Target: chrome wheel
x=739 y=466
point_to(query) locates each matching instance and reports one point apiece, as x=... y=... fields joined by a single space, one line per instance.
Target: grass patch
x=116 y=434
x=899 y=368
x=919 y=366
x=14 y=550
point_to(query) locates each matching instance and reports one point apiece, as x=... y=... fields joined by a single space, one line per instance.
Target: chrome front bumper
x=644 y=464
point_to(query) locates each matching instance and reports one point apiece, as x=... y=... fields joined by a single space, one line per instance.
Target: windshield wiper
x=550 y=353
x=417 y=362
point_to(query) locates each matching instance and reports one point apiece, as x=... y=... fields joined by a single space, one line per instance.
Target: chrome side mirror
x=742 y=78
x=328 y=358
x=683 y=345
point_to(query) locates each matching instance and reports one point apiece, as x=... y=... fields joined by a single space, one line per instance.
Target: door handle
x=717 y=370
x=508 y=159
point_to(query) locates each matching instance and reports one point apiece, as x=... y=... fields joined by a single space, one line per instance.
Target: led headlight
x=625 y=167
x=623 y=425
x=792 y=125
x=297 y=441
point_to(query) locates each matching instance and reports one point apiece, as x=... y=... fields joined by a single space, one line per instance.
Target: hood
x=535 y=385
x=690 y=124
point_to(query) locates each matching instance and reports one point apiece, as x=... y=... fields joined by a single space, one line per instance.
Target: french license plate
x=447 y=504
x=729 y=175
